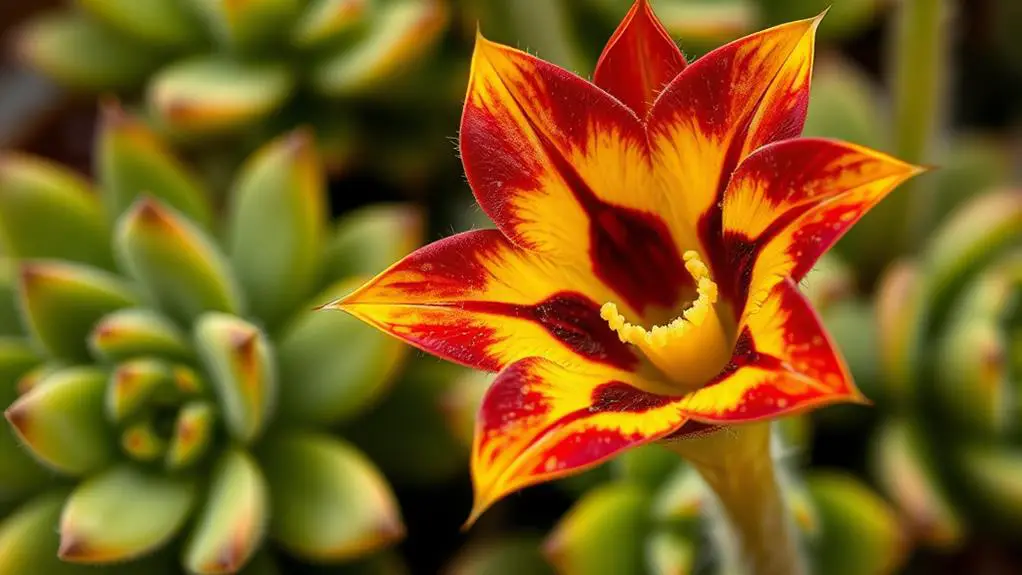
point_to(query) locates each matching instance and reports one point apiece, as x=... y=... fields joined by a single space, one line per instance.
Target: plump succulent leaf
x=907 y=473
x=989 y=476
x=123 y=513
x=163 y=23
x=179 y=266
x=28 y=539
x=60 y=302
x=36 y=196
x=131 y=161
x=650 y=465
x=80 y=53
x=60 y=421
x=369 y=239
x=861 y=534
x=135 y=332
x=603 y=533
x=133 y=383
x=401 y=35
x=972 y=165
x=672 y=551
x=192 y=435
x=239 y=360
x=232 y=523
x=247 y=26
x=422 y=449
x=10 y=315
x=276 y=225
x=216 y=94
x=681 y=497
x=978 y=233
x=333 y=382
x=329 y=502
x=21 y=474
x=326 y=21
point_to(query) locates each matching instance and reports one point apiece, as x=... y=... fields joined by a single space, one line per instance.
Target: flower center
x=694 y=346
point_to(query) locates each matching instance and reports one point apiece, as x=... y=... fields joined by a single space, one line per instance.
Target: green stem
x=737 y=465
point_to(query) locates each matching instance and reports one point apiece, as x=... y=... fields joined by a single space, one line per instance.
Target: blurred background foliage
x=196 y=101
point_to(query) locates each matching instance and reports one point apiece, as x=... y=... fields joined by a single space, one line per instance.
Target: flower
x=642 y=282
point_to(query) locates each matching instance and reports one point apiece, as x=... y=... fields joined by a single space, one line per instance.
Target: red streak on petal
x=632 y=251
x=638 y=60
x=574 y=320
x=582 y=448
x=619 y=397
x=746 y=354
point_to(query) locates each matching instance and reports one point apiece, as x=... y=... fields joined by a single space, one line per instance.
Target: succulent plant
x=951 y=339
x=215 y=68
x=165 y=370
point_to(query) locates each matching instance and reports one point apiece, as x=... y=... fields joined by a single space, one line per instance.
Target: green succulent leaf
x=132 y=384
x=165 y=23
x=131 y=161
x=979 y=232
x=179 y=266
x=60 y=421
x=989 y=475
x=192 y=435
x=142 y=442
x=80 y=53
x=672 y=551
x=248 y=26
x=240 y=363
x=504 y=556
x=423 y=448
x=130 y=333
x=21 y=474
x=971 y=166
x=400 y=36
x=339 y=364
x=368 y=240
x=276 y=225
x=681 y=496
x=214 y=94
x=907 y=473
x=329 y=501
x=35 y=196
x=326 y=21
x=604 y=533
x=28 y=539
x=649 y=466
x=861 y=534
x=231 y=526
x=10 y=316
x=123 y=513
x=60 y=302
x=705 y=24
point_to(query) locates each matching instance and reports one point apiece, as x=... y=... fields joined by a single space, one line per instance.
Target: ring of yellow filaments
x=690 y=349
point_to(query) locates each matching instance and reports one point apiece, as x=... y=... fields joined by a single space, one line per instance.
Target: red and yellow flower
x=652 y=228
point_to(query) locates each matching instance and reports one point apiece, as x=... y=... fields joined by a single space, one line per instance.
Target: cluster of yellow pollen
x=682 y=347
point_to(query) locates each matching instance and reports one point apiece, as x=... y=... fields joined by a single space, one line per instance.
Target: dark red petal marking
x=745 y=354
x=631 y=251
x=638 y=60
x=574 y=320
x=619 y=397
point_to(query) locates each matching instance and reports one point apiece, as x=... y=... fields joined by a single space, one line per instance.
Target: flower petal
x=540 y=421
x=476 y=299
x=783 y=363
x=788 y=203
x=563 y=169
x=639 y=59
x=739 y=97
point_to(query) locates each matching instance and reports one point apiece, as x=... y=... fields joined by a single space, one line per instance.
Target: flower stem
x=737 y=465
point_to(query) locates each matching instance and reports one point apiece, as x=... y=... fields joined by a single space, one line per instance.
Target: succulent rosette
x=166 y=376
x=642 y=282
x=223 y=69
x=950 y=335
